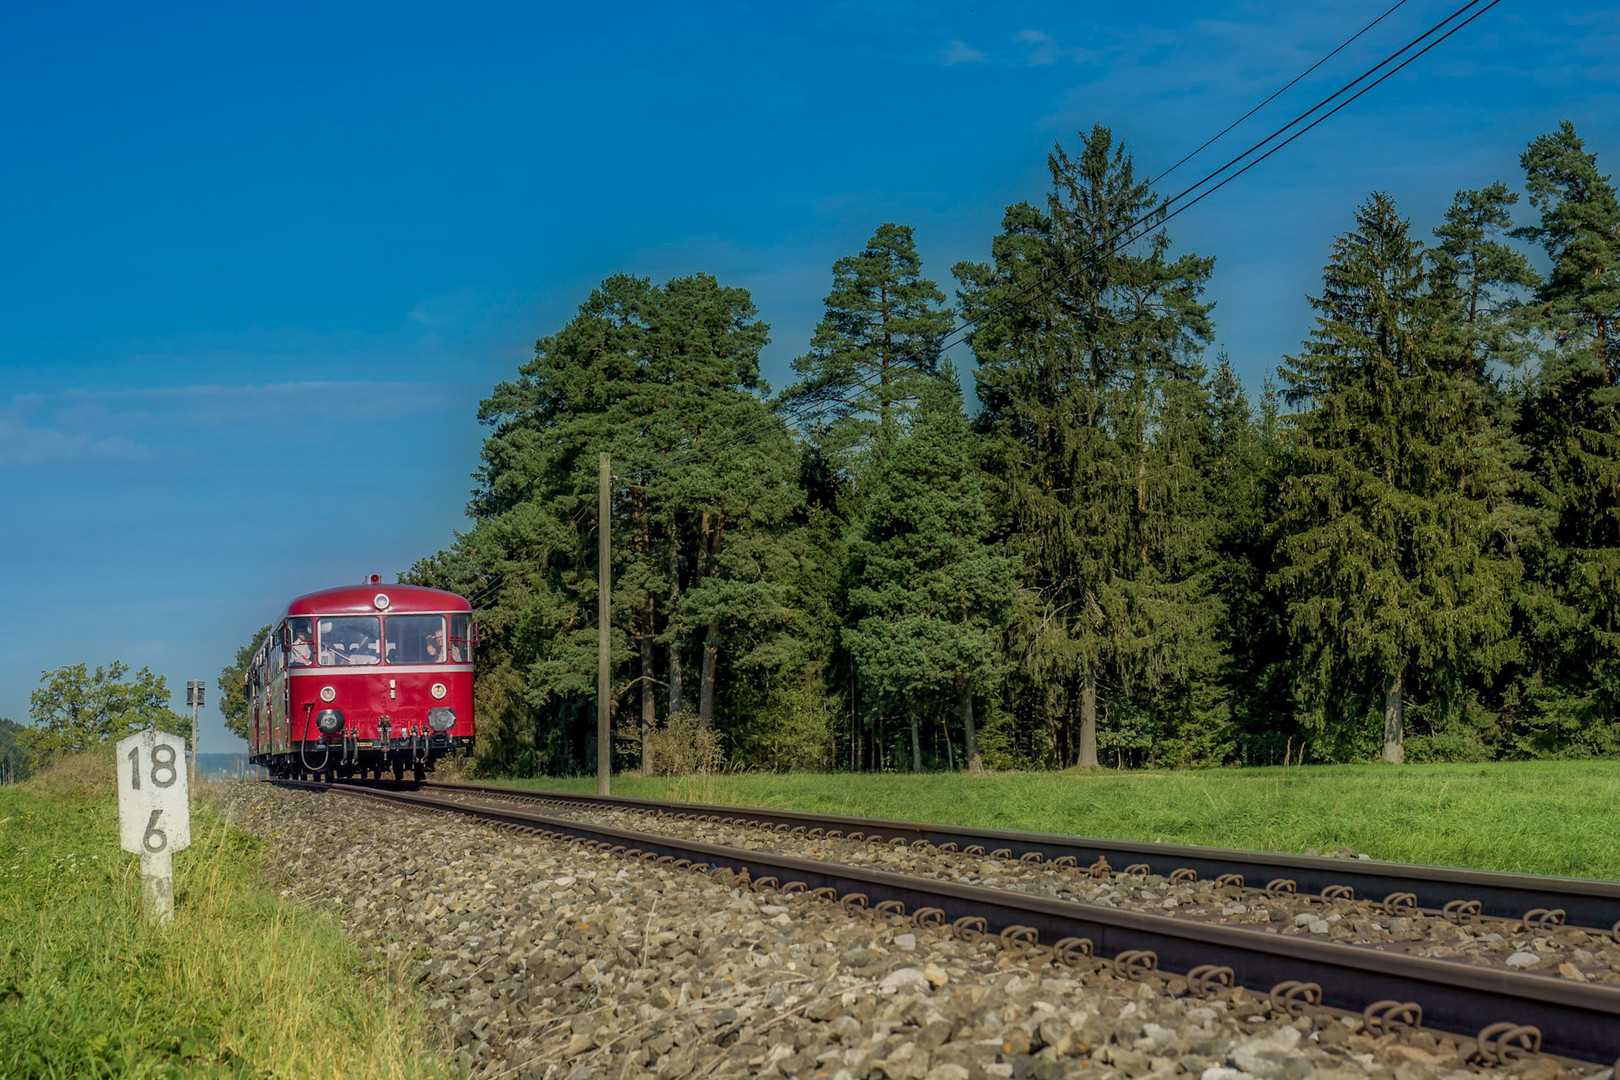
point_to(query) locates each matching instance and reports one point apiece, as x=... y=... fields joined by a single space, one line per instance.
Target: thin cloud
x=960 y=52
x=106 y=425
x=217 y=405
x=1044 y=49
x=23 y=445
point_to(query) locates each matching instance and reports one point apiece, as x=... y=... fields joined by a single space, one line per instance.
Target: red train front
x=363 y=680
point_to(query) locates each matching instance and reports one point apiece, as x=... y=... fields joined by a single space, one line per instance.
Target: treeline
x=1408 y=546
x=75 y=710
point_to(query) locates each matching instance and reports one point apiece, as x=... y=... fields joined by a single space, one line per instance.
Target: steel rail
x=1575 y=1020
x=1586 y=903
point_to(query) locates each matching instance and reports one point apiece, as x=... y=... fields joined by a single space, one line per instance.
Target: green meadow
x=239 y=984
x=1540 y=817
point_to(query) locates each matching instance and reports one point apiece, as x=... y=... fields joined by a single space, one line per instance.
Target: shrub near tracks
x=1532 y=817
x=234 y=987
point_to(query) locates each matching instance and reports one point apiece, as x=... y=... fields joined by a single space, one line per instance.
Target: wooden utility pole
x=604 y=645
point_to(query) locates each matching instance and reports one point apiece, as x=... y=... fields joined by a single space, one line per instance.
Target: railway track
x=1496 y=1014
x=1435 y=891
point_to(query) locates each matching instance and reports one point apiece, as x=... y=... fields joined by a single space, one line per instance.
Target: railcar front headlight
x=328 y=693
x=441 y=719
x=330 y=721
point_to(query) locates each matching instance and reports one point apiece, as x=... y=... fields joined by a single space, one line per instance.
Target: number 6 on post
x=154 y=811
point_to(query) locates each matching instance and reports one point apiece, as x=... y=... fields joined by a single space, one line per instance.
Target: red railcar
x=363 y=679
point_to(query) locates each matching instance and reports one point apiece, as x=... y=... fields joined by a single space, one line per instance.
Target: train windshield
x=461 y=639
x=350 y=639
x=415 y=639
x=300 y=642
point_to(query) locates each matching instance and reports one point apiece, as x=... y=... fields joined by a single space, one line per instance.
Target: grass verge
x=240 y=984
x=1535 y=817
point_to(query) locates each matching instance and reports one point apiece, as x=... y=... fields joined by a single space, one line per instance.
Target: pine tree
x=933 y=594
x=1384 y=560
x=666 y=380
x=873 y=350
x=1094 y=400
x=1571 y=426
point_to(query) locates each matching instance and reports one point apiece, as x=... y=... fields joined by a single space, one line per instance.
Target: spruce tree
x=1571 y=426
x=932 y=592
x=1094 y=400
x=1384 y=556
x=1245 y=472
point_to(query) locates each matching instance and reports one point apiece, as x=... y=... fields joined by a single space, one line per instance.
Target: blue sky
x=262 y=261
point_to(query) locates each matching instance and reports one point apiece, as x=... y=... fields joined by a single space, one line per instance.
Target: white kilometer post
x=154 y=812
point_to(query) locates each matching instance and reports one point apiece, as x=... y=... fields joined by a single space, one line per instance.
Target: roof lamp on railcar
x=441 y=718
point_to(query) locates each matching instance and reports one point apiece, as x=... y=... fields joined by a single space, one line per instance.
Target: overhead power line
x=1279 y=93
x=1154 y=219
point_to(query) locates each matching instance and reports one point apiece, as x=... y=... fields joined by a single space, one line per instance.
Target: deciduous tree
x=74 y=709
x=233 y=699
x=932 y=593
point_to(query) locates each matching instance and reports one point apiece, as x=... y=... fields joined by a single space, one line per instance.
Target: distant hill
x=222 y=766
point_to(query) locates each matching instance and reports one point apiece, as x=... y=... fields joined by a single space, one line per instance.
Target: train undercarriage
x=346 y=758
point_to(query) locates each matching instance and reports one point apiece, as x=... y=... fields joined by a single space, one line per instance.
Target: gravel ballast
x=543 y=959
x=1568 y=952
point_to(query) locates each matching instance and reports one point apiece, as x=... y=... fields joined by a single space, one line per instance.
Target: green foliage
x=1099 y=425
x=75 y=710
x=666 y=380
x=1385 y=557
x=873 y=351
x=233 y=701
x=931 y=594
x=1125 y=558
x=1571 y=427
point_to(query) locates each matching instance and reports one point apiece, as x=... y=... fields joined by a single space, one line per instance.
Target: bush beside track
x=1538 y=817
x=241 y=984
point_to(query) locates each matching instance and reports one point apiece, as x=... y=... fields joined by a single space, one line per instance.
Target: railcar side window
x=300 y=642
x=415 y=639
x=461 y=639
x=349 y=639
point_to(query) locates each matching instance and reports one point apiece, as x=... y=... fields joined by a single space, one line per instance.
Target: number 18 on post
x=154 y=812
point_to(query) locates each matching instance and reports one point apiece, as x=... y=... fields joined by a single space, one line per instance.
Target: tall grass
x=1544 y=817
x=239 y=984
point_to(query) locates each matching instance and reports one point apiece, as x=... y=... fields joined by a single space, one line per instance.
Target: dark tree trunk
x=674 y=637
x=1088 y=720
x=644 y=634
x=916 y=744
x=1394 y=720
x=649 y=709
x=711 y=650
x=970 y=733
x=711 y=539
